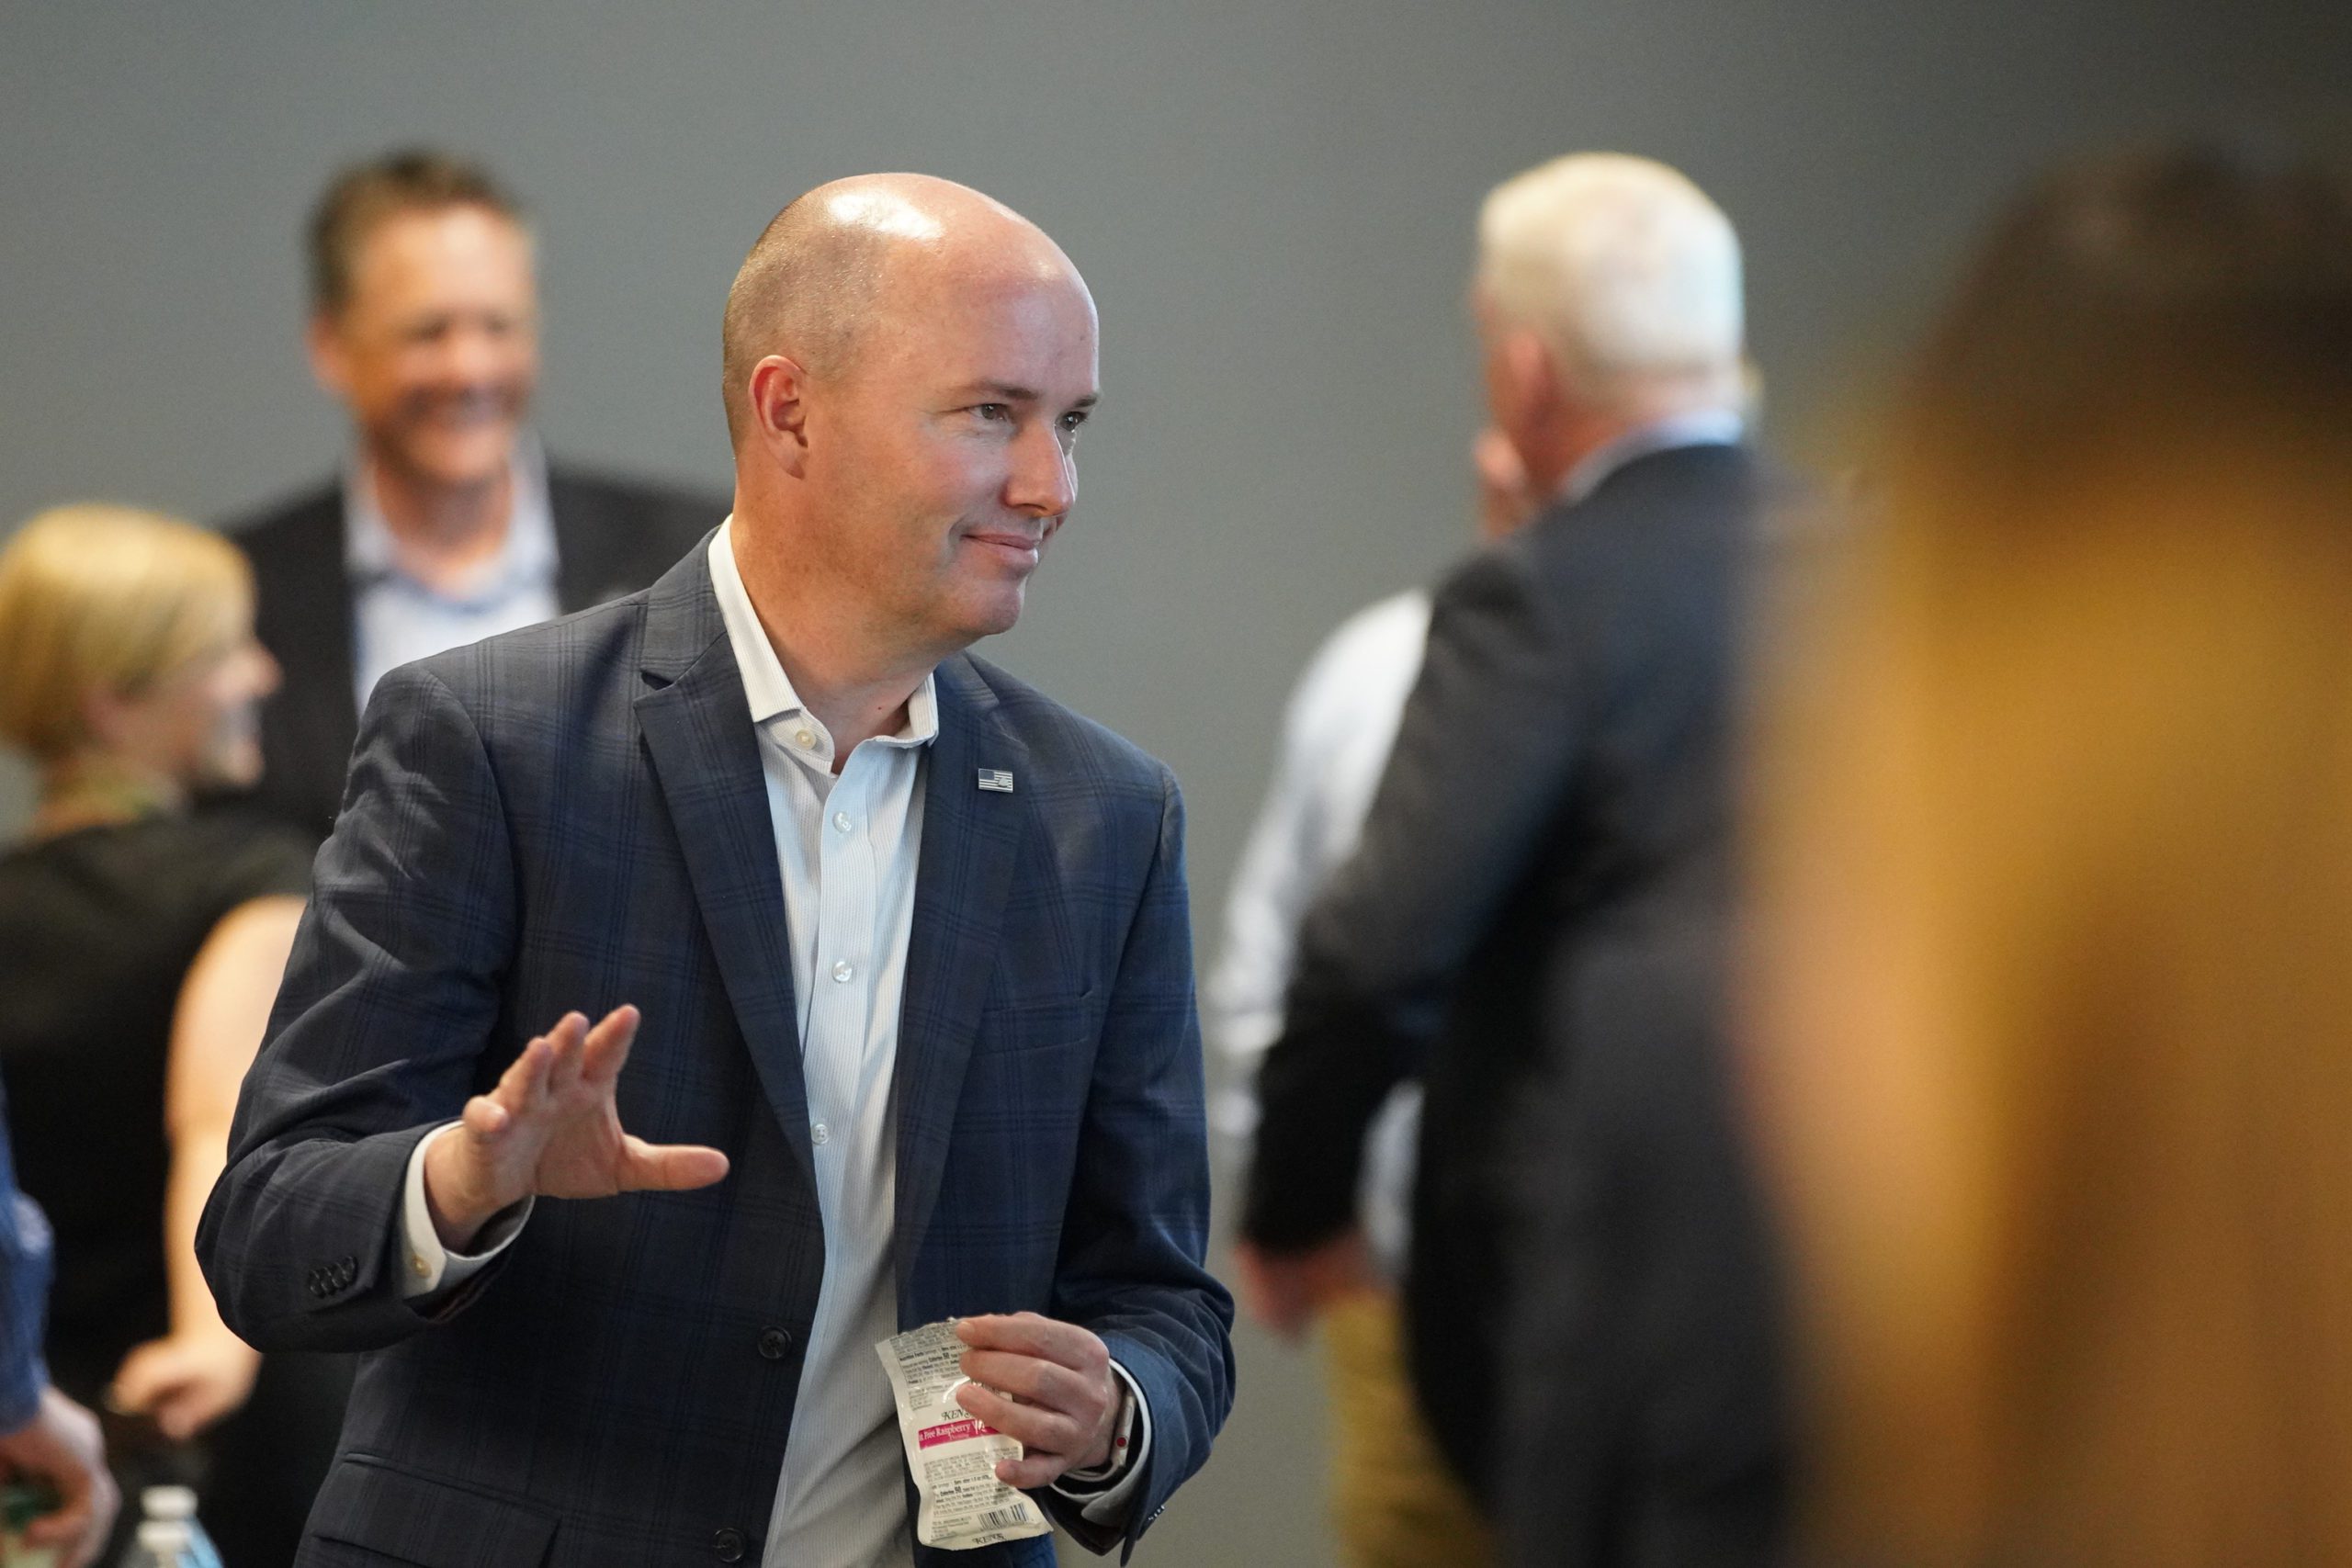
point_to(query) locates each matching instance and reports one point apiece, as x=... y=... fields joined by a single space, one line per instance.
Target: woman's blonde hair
x=2053 y=974
x=102 y=598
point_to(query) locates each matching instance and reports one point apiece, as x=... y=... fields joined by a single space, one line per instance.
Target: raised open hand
x=549 y=1127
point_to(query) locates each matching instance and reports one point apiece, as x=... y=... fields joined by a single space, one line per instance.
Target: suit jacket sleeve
x=1137 y=1225
x=390 y=998
x=1482 y=762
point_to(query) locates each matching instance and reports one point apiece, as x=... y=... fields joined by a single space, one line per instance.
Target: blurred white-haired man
x=1556 y=789
x=1608 y=297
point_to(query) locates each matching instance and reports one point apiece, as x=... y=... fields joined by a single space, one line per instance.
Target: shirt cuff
x=1108 y=1490
x=431 y=1267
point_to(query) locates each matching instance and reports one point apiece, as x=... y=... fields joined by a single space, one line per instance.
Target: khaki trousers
x=1395 y=1503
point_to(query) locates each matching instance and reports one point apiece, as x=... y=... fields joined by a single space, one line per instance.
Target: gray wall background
x=1272 y=202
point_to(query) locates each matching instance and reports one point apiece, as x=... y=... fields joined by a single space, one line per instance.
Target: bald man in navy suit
x=889 y=965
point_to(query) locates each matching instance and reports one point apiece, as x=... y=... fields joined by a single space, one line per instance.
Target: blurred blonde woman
x=140 y=945
x=2052 y=984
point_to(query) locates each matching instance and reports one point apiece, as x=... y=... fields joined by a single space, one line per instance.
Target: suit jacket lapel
x=698 y=731
x=592 y=560
x=971 y=838
x=303 y=616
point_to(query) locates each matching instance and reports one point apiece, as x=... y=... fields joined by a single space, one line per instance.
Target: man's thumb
x=671 y=1167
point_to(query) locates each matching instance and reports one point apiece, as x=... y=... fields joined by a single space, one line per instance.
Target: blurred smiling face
x=435 y=351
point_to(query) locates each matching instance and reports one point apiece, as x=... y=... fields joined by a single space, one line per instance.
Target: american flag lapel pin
x=996 y=779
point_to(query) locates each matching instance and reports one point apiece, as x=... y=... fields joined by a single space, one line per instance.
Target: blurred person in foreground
x=447 y=522
x=891 y=962
x=2054 y=958
x=46 y=1440
x=1560 y=772
x=139 y=947
x=1392 y=1502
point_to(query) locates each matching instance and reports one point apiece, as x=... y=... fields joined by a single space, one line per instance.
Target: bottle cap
x=163 y=1538
x=168 y=1501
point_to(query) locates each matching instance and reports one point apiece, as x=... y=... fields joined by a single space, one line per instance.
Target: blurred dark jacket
x=1563 y=764
x=1643 y=1418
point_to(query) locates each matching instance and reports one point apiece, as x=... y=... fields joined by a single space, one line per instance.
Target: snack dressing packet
x=953 y=1454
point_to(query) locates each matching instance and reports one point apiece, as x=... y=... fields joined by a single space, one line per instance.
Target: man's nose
x=473 y=354
x=1044 y=481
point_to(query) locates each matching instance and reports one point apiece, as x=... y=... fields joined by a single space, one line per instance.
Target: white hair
x=1624 y=269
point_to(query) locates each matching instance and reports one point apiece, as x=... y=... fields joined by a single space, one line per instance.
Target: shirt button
x=820 y=1132
x=775 y=1343
x=841 y=971
x=728 y=1546
x=805 y=739
x=419 y=1266
x=841 y=821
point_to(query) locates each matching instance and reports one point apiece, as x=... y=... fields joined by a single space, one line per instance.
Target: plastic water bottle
x=169 y=1536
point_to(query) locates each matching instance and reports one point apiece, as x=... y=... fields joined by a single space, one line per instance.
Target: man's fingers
x=669 y=1167
x=1032 y=1471
x=566 y=1043
x=524 y=1083
x=486 y=1118
x=1040 y=1379
x=1044 y=1432
x=1031 y=1379
x=1031 y=1334
x=607 y=1045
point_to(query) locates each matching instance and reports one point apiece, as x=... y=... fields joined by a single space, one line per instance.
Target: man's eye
x=1072 y=419
x=993 y=411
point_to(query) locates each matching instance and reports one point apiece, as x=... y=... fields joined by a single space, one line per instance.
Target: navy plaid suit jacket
x=574 y=817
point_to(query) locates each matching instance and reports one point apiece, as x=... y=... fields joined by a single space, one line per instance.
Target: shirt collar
x=527 y=556
x=1701 y=427
x=766 y=689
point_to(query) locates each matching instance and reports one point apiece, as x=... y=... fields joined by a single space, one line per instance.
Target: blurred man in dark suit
x=447 y=524
x=1559 y=783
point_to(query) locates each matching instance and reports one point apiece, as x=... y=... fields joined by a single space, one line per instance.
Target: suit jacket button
x=728 y=1546
x=775 y=1343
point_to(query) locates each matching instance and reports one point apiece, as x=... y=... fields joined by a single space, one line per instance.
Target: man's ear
x=329 y=366
x=778 y=393
x=1531 y=377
